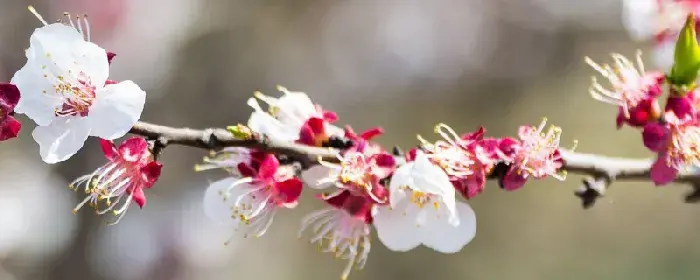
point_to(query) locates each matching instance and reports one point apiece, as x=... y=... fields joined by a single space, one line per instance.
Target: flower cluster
x=673 y=133
x=64 y=88
x=409 y=200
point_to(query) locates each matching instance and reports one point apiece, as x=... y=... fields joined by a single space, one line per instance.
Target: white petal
x=62 y=138
x=214 y=205
x=55 y=42
x=295 y=108
x=92 y=60
x=117 y=108
x=400 y=178
x=37 y=105
x=315 y=176
x=265 y=124
x=663 y=54
x=430 y=178
x=440 y=236
x=396 y=226
x=639 y=18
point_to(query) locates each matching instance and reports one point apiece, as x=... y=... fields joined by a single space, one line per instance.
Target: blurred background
x=404 y=65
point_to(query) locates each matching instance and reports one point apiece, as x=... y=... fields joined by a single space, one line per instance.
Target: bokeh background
x=401 y=64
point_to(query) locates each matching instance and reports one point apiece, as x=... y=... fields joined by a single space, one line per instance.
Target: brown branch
x=217 y=138
x=601 y=170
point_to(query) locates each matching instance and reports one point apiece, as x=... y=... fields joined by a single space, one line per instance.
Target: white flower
x=63 y=90
x=287 y=115
x=423 y=210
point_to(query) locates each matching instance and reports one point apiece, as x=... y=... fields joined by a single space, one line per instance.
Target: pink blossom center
x=77 y=95
x=538 y=154
x=684 y=148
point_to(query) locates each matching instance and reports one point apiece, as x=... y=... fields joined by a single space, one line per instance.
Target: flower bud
x=686 y=57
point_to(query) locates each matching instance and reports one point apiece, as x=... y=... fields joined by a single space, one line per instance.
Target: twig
x=602 y=170
x=217 y=138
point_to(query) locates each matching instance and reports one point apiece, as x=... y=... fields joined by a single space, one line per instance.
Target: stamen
x=70 y=20
x=446 y=135
x=640 y=64
x=87 y=27
x=79 y=25
x=37 y=15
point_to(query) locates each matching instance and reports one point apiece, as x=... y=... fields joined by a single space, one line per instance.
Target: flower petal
x=661 y=173
x=108 y=149
x=151 y=173
x=396 y=226
x=92 y=60
x=265 y=124
x=9 y=96
x=401 y=178
x=371 y=133
x=314 y=176
x=289 y=191
x=55 y=43
x=62 y=50
x=34 y=103
x=443 y=237
x=110 y=56
x=9 y=128
x=116 y=109
x=655 y=136
x=295 y=108
x=513 y=180
x=429 y=178
x=134 y=149
x=139 y=197
x=268 y=167
x=62 y=138
x=215 y=207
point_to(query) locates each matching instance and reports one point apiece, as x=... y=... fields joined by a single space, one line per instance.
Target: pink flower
x=358 y=173
x=9 y=126
x=343 y=228
x=251 y=202
x=633 y=89
x=536 y=157
x=451 y=154
x=677 y=144
x=130 y=169
x=467 y=160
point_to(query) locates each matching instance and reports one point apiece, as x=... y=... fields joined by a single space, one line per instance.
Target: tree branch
x=601 y=170
x=217 y=138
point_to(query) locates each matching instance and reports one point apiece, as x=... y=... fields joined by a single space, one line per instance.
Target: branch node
x=158 y=146
x=592 y=189
x=694 y=195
